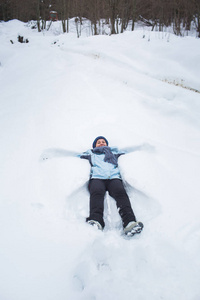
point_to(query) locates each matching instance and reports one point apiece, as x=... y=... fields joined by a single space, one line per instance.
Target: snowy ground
x=60 y=92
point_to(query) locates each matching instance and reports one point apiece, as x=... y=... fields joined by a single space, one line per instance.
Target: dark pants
x=115 y=188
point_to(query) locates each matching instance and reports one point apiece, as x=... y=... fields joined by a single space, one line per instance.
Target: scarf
x=109 y=156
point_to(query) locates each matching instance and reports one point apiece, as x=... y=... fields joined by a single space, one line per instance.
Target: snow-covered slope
x=60 y=92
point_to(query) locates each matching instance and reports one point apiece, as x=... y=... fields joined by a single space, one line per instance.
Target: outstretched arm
x=145 y=147
x=55 y=152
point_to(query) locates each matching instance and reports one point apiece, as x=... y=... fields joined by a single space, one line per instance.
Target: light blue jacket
x=101 y=169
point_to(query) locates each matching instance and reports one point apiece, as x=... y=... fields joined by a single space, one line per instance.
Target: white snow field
x=60 y=92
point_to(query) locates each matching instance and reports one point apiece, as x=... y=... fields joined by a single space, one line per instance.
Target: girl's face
x=101 y=143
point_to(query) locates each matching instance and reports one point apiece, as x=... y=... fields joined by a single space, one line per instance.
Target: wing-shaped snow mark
x=56 y=152
x=77 y=203
x=145 y=207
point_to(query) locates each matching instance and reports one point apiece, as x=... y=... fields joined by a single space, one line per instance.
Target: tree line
x=118 y=14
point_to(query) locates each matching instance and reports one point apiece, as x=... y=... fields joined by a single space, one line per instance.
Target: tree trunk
x=38 y=15
x=134 y=6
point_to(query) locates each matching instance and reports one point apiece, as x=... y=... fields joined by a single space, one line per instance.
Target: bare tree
x=196 y=15
x=115 y=13
x=133 y=9
x=63 y=14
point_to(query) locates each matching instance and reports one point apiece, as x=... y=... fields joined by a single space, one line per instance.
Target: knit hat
x=98 y=138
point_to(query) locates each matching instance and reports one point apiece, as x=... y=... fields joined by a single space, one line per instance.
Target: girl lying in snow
x=105 y=176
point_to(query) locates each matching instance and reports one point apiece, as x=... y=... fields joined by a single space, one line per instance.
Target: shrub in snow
x=21 y=39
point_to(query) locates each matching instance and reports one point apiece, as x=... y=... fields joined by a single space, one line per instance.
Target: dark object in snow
x=53 y=16
x=21 y=39
x=34 y=26
x=11 y=42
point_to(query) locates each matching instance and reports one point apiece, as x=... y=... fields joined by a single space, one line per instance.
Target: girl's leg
x=97 y=189
x=117 y=191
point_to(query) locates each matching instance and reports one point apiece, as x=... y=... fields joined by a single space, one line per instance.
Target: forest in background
x=118 y=14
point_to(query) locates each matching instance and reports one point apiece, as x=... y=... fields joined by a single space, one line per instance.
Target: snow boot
x=133 y=228
x=95 y=224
